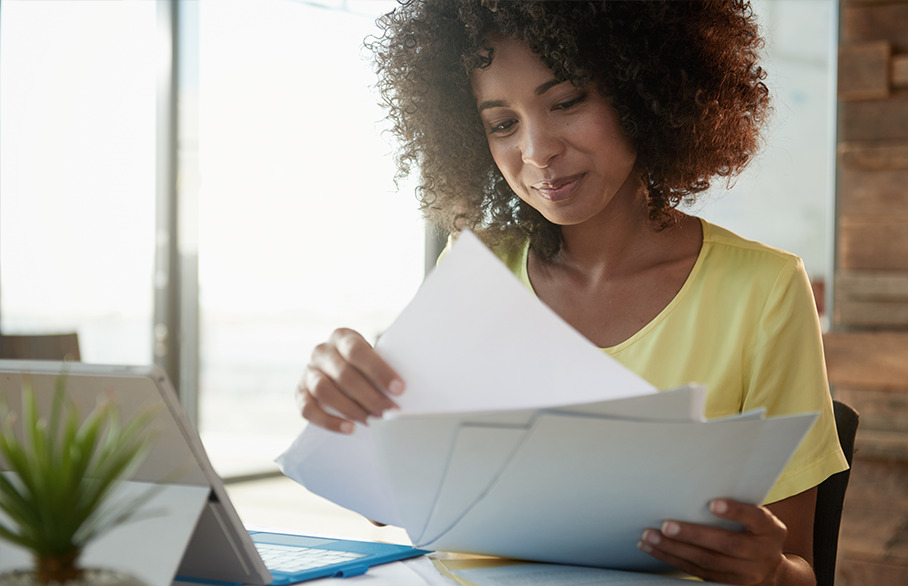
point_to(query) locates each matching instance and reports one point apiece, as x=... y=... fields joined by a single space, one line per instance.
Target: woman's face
x=560 y=148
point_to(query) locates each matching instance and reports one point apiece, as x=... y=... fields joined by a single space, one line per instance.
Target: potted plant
x=64 y=469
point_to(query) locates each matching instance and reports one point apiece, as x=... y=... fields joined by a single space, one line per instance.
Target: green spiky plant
x=65 y=469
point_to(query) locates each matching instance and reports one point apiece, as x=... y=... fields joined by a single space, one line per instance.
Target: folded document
x=517 y=437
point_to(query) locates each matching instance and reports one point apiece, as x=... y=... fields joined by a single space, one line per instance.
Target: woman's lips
x=558 y=189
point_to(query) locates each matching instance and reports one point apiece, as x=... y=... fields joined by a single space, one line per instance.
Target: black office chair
x=830 y=496
x=40 y=347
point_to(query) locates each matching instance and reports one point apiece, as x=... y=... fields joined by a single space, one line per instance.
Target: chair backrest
x=830 y=497
x=40 y=347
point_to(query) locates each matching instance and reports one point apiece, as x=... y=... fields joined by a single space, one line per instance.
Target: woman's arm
x=776 y=547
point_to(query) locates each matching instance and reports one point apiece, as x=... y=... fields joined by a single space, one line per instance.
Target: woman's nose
x=540 y=145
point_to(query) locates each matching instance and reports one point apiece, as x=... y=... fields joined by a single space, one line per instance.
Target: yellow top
x=745 y=325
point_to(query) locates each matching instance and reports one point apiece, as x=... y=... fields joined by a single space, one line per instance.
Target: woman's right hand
x=346 y=381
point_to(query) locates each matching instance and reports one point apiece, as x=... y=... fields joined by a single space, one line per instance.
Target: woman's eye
x=568 y=104
x=501 y=127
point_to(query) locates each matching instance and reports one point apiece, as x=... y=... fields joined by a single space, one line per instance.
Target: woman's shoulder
x=510 y=249
x=727 y=245
x=730 y=262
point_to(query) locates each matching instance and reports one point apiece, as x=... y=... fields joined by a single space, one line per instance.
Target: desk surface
x=423 y=572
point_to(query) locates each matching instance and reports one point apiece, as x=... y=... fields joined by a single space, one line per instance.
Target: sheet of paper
x=343 y=469
x=452 y=466
x=770 y=453
x=473 y=339
x=421 y=448
x=480 y=454
x=682 y=404
x=597 y=483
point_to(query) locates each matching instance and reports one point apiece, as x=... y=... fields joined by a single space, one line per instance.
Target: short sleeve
x=788 y=376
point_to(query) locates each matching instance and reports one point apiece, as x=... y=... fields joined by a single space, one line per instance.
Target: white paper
x=474 y=339
x=344 y=469
x=580 y=490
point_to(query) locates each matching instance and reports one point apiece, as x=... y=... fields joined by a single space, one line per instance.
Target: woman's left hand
x=750 y=557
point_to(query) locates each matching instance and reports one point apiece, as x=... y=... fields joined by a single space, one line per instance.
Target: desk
x=422 y=572
x=406 y=573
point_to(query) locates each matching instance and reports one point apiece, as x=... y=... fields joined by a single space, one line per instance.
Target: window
x=301 y=228
x=77 y=144
x=297 y=224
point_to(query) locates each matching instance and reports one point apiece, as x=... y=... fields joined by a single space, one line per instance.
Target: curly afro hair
x=683 y=77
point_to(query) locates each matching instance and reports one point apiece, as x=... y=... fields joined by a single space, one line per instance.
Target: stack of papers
x=517 y=437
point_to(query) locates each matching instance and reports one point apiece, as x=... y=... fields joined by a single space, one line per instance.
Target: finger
x=322 y=390
x=762 y=537
x=352 y=383
x=359 y=353
x=756 y=519
x=346 y=378
x=318 y=416
x=714 y=553
x=690 y=560
x=732 y=544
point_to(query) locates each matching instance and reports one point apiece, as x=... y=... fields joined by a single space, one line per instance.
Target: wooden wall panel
x=877 y=481
x=864 y=71
x=870 y=285
x=872 y=314
x=871 y=299
x=858 y=573
x=876 y=21
x=869 y=371
x=876 y=155
x=867 y=359
x=883 y=445
x=875 y=535
x=898 y=69
x=874 y=119
x=873 y=242
x=867 y=352
x=872 y=191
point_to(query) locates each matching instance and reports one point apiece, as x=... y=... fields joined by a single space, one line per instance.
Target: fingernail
x=650 y=536
x=643 y=546
x=347 y=427
x=671 y=528
x=396 y=387
x=718 y=506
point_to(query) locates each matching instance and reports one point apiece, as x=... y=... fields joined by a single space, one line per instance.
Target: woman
x=567 y=134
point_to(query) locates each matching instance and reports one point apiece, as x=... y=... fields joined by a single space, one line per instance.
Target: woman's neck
x=615 y=242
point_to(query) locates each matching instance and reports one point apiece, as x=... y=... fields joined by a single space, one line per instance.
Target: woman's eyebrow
x=547 y=86
x=492 y=104
x=541 y=89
